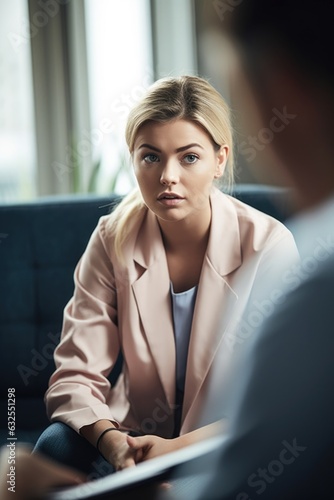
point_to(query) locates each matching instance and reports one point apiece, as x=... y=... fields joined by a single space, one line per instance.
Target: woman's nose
x=170 y=173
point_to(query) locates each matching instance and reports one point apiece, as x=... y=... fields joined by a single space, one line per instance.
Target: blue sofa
x=40 y=244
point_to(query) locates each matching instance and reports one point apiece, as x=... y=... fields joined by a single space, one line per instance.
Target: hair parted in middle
x=186 y=97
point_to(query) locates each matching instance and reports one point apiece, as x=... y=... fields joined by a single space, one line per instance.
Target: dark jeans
x=63 y=444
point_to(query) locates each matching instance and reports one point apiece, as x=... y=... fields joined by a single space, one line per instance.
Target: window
x=120 y=69
x=17 y=130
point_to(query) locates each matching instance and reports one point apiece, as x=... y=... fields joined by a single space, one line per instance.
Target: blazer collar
x=224 y=247
x=149 y=246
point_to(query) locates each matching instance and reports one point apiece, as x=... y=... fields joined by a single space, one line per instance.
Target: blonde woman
x=156 y=284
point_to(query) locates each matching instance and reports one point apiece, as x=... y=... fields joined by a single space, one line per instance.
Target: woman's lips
x=170 y=199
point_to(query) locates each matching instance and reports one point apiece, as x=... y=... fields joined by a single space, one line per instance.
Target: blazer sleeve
x=270 y=272
x=79 y=389
x=275 y=267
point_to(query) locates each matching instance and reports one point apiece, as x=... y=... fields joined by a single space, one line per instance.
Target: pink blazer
x=129 y=309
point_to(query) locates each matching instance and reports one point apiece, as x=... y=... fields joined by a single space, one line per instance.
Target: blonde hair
x=186 y=97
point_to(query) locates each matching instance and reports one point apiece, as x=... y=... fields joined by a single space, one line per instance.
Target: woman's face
x=175 y=164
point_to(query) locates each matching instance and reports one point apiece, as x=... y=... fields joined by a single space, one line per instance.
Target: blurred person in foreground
x=281 y=442
x=28 y=476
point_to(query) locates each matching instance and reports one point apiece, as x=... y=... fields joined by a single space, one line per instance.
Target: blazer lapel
x=215 y=297
x=152 y=294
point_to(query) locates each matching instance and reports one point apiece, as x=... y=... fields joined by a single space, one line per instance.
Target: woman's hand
x=111 y=443
x=116 y=450
x=147 y=447
x=123 y=451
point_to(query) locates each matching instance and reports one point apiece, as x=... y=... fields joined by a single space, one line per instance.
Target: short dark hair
x=302 y=29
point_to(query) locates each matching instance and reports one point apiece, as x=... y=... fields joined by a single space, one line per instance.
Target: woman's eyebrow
x=148 y=146
x=192 y=145
x=178 y=150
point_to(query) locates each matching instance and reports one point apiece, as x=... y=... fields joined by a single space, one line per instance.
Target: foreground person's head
x=283 y=48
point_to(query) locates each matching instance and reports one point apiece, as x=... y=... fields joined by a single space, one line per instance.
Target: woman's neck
x=185 y=245
x=186 y=235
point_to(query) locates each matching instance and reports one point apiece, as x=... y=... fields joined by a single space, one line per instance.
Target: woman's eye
x=151 y=158
x=190 y=158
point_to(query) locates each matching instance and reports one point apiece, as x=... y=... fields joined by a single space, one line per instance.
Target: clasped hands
x=124 y=451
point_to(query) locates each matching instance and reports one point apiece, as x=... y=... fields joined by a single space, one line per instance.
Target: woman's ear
x=222 y=156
